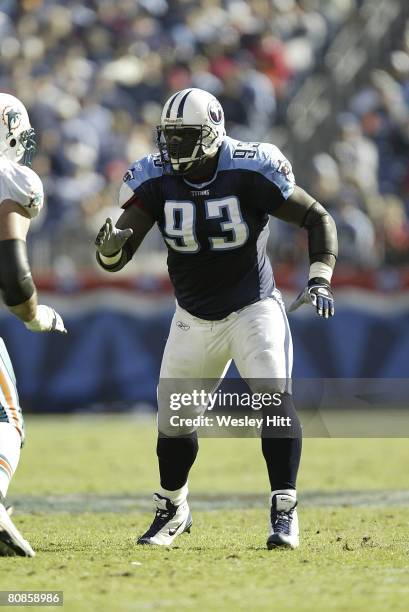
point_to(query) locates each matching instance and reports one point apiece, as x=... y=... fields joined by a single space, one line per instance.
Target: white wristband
x=43 y=320
x=320 y=270
x=111 y=261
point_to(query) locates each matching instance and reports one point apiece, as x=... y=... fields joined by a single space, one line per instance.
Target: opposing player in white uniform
x=21 y=199
x=211 y=197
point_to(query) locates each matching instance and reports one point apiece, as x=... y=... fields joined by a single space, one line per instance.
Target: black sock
x=282 y=457
x=176 y=457
x=281 y=447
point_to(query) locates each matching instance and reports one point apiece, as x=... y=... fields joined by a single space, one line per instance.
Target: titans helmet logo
x=11 y=119
x=215 y=112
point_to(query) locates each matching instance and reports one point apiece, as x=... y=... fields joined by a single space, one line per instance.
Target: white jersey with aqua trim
x=22 y=185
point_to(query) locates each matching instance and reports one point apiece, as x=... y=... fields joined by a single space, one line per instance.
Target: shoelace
x=283 y=521
x=162 y=516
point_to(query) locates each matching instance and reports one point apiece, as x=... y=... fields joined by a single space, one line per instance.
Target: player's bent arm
x=17 y=287
x=117 y=245
x=303 y=210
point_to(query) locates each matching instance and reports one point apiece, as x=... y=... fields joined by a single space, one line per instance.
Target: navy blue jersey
x=216 y=232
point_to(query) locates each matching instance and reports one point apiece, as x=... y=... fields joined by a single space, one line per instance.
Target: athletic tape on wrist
x=111 y=261
x=320 y=270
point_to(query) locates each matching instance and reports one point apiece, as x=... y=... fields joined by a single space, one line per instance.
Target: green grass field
x=82 y=495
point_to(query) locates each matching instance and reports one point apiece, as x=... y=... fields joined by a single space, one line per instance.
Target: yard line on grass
x=79 y=502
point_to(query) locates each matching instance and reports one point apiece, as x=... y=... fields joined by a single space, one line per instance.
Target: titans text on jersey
x=216 y=232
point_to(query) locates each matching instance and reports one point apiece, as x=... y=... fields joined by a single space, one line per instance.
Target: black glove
x=318 y=293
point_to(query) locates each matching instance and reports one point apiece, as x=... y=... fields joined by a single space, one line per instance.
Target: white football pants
x=10 y=411
x=257 y=337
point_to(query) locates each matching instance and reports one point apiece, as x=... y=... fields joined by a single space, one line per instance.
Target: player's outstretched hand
x=110 y=239
x=46 y=320
x=318 y=293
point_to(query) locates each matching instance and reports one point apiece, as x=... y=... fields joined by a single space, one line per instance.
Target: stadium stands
x=309 y=75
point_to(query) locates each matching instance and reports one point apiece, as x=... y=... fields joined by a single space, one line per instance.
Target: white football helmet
x=17 y=137
x=191 y=129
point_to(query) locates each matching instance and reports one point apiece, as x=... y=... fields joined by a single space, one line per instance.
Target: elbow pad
x=322 y=232
x=16 y=283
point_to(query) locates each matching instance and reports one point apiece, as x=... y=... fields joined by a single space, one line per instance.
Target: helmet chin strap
x=204 y=170
x=181 y=167
x=184 y=166
x=196 y=160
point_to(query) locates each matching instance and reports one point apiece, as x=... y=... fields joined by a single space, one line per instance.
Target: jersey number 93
x=180 y=230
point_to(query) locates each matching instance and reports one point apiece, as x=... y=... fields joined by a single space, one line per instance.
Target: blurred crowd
x=94 y=75
x=364 y=177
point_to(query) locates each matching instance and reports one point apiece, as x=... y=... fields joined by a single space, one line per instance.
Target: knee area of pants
x=271 y=386
x=265 y=365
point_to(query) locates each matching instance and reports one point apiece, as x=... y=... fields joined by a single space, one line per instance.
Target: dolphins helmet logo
x=12 y=119
x=215 y=112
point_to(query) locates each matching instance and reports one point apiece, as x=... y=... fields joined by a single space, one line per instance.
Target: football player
x=21 y=199
x=211 y=197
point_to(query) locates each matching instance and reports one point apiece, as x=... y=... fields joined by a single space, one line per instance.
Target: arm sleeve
x=301 y=209
x=16 y=284
x=322 y=235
